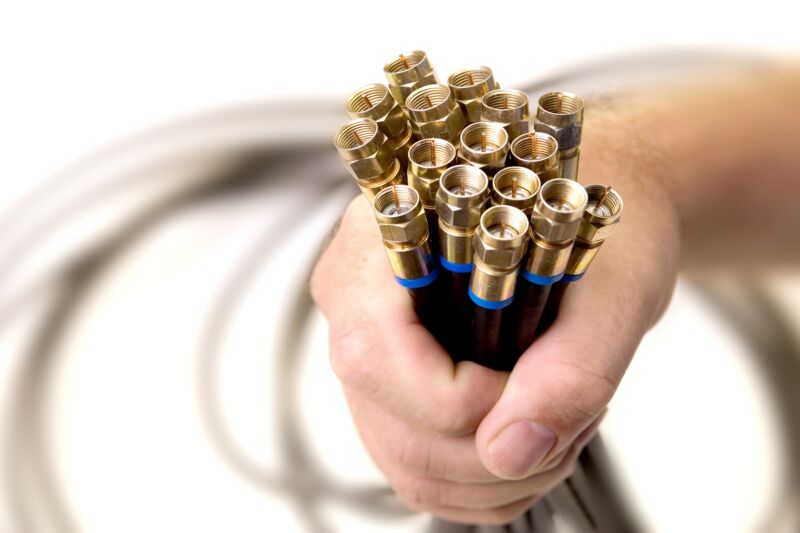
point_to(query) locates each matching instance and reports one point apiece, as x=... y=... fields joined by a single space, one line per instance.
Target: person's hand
x=463 y=442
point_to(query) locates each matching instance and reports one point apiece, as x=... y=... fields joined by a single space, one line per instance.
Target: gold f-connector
x=435 y=113
x=427 y=161
x=508 y=107
x=560 y=114
x=600 y=218
x=407 y=73
x=463 y=192
x=499 y=244
x=468 y=87
x=366 y=153
x=537 y=152
x=404 y=230
x=375 y=102
x=556 y=217
x=517 y=187
x=484 y=145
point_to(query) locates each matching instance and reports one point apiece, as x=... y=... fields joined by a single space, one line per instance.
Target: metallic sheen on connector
x=407 y=73
x=367 y=154
x=560 y=114
x=517 y=187
x=427 y=161
x=499 y=243
x=557 y=214
x=374 y=101
x=469 y=87
x=537 y=152
x=484 y=145
x=404 y=230
x=600 y=218
x=508 y=107
x=435 y=113
x=462 y=195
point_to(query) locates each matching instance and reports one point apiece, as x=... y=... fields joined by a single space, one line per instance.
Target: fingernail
x=520 y=447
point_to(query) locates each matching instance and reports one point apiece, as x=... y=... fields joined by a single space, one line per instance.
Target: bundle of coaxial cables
x=480 y=211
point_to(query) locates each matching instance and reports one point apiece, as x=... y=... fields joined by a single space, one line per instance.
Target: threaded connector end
x=395 y=203
x=374 y=97
x=515 y=186
x=483 y=137
x=534 y=147
x=462 y=183
x=561 y=103
x=503 y=226
x=405 y=62
x=431 y=153
x=356 y=134
x=561 y=200
x=429 y=102
x=504 y=100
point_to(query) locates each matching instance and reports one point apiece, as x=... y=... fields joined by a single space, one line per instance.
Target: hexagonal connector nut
x=435 y=113
x=468 y=87
x=494 y=256
x=407 y=231
x=500 y=239
x=462 y=194
x=364 y=149
x=408 y=73
x=558 y=210
x=400 y=216
x=376 y=102
x=484 y=145
x=560 y=114
x=508 y=107
x=602 y=214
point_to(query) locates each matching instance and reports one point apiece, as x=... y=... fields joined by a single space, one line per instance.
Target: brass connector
x=366 y=153
x=537 y=152
x=435 y=113
x=556 y=217
x=600 y=218
x=560 y=114
x=462 y=195
x=468 y=87
x=508 y=107
x=499 y=243
x=374 y=101
x=517 y=187
x=408 y=73
x=484 y=145
x=427 y=161
x=404 y=230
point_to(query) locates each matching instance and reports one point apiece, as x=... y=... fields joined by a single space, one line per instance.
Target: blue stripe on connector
x=540 y=280
x=573 y=277
x=488 y=304
x=455 y=267
x=418 y=283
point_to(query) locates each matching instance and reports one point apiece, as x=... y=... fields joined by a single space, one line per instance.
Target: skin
x=472 y=445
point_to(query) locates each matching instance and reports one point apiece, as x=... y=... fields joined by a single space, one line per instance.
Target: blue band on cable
x=573 y=277
x=488 y=304
x=418 y=283
x=540 y=280
x=455 y=267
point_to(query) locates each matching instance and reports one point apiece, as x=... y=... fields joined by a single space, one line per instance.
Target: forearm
x=718 y=159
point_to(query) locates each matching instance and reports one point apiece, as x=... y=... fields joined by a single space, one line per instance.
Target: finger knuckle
x=589 y=388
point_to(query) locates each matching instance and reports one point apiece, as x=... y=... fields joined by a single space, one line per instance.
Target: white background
x=76 y=75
